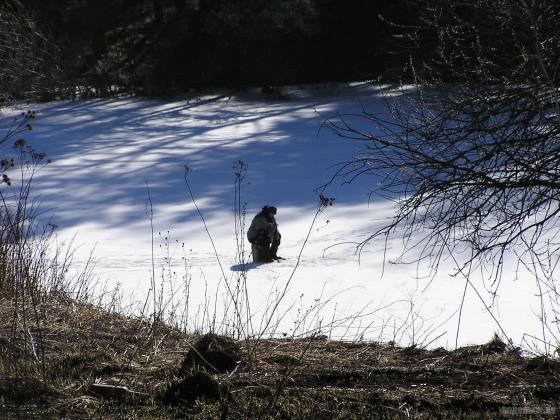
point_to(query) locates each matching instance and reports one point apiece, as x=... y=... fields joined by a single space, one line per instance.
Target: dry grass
x=77 y=345
x=82 y=345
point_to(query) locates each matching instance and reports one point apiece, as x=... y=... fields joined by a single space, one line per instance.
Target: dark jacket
x=261 y=226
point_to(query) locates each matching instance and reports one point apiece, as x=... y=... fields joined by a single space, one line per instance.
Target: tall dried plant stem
x=150 y=214
x=230 y=292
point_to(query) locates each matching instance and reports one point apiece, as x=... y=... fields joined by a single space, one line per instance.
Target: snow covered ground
x=108 y=153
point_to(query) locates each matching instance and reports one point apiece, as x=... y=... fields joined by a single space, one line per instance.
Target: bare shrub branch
x=471 y=151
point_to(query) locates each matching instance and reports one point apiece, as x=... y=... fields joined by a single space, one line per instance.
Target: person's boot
x=274 y=250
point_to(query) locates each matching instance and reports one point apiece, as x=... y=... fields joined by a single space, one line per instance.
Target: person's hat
x=270 y=209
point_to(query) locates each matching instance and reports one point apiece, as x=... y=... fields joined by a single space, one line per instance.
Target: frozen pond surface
x=106 y=152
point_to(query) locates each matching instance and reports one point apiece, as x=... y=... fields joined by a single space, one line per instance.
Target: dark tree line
x=168 y=46
x=29 y=62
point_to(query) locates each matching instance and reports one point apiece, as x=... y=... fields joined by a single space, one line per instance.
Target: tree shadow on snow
x=115 y=149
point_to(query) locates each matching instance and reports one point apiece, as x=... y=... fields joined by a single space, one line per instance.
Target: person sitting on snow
x=264 y=236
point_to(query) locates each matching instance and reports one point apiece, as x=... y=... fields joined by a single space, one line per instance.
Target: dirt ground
x=65 y=359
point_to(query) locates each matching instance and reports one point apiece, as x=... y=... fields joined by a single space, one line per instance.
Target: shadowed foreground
x=73 y=360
